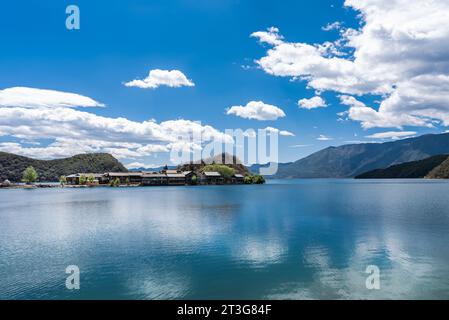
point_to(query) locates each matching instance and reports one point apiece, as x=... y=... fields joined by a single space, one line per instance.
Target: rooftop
x=95 y=175
x=212 y=174
x=176 y=175
x=154 y=175
x=124 y=174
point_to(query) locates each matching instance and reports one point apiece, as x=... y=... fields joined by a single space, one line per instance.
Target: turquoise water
x=306 y=239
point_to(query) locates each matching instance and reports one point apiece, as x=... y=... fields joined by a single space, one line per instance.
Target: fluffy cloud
x=284 y=133
x=257 y=110
x=157 y=78
x=395 y=135
x=400 y=53
x=271 y=37
x=312 y=103
x=32 y=98
x=370 y=118
x=72 y=131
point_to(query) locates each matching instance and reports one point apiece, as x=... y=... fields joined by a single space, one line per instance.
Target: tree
x=62 y=180
x=258 y=179
x=91 y=178
x=248 y=180
x=116 y=182
x=255 y=179
x=194 y=180
x=30 y=175
x=127 y=182
x=82 y=179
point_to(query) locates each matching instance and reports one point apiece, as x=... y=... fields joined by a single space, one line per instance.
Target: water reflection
x=303 y=240
x=258 y=252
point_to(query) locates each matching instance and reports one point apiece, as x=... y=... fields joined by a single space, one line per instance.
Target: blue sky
x=209 y=41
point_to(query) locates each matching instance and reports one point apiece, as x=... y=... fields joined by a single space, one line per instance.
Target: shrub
x=248 y=180
x=255 y=179
x=258 y=179
x=91 y=178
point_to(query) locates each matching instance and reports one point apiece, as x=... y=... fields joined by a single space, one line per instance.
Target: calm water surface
x=284 y=240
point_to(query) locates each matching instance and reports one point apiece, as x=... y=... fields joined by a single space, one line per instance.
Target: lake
x=298 y=239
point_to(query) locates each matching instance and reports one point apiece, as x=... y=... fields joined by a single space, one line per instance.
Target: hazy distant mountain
x=255 y=168
x=155 y=169
x=12 y=166
x=429 y=167
x=351 y=160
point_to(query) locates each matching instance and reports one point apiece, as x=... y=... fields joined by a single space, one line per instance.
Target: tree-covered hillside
x=226 y=159
x=440 y=172
x=348 y=161
x=408 y=170
x=12 y=166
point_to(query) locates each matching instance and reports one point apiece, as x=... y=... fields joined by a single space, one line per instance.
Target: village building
x=163 y=178
x=188 y=176
x=74 y=179
x=238 y=179
x=154 y=179
x=124 y=177
x=176 y=179
x=211 y=177
x=170 y=171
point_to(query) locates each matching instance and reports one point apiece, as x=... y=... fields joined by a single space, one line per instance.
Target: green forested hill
x=440 y=172
x=12 y=166
x=224 y=158
x=409 y=170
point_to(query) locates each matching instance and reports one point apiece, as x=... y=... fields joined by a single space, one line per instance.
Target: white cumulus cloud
x=157 y=78
x=312 y=103
x=257 y=110
x=399 y=53
x=68 y=131
x=271 y=37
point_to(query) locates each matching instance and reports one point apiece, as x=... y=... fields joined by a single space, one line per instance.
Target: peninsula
x=221 y=170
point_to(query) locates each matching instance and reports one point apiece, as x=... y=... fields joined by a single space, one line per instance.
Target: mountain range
x=351 y=160
x=154 y=169
x=345 y=161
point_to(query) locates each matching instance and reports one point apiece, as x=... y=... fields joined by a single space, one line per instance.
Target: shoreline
x=57 y=186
